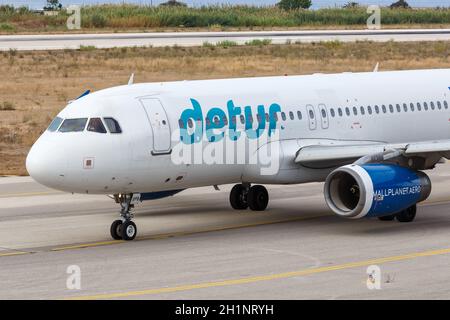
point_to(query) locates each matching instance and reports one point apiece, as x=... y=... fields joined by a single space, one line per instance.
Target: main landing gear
x=124 y=228
x=406 y=215
x=243 y=196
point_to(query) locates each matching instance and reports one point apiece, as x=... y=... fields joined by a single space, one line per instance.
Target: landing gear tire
x=128 y=230
x=115 y=230
x=124 y=229
x=238 y=197
x=407 y=215
x=387 y=218
x=258 y=198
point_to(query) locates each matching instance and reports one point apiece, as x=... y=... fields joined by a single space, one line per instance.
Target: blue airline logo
x=217 y=120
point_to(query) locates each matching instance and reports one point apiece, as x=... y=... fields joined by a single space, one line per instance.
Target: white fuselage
x=141 y=157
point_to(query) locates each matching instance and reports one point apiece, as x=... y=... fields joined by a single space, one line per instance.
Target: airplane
x=368 y=136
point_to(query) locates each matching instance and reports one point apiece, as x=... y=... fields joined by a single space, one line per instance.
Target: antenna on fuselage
x=376 y=67
x=131 y=80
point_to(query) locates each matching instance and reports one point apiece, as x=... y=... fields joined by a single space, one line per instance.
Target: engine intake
x=374 y=190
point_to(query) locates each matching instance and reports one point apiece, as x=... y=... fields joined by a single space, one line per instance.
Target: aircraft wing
x=337 y=153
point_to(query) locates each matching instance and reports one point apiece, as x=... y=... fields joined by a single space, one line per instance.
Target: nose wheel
x=124 y=228
x=116 y=230
x=128 y=230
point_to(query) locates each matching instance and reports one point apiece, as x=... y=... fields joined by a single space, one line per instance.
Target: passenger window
x=391 y=108
x=369 y=109
x=190 y=123
x=73 y=125
x=405 y=107
x=181 y=124
x=419 y=106
x=439 y=105
x=412 y=107
x=347 y=111
x=362 y=111
x=267 y=117
x=242 y=118
x=355 y=111
x=299 y=115
x=55 y=124
x=311 y=114
x=113 y=125
x=377 y=109
x=425 y=106
x=384 y=108
x=208 y=121
x=96 y=125
x=445 y=104
x=333 y=114
x=432 y=105
x=275 y=116
x=291 y=115
x=399 y=109
x=225 y=120
x=283 y=116
x=340 y=112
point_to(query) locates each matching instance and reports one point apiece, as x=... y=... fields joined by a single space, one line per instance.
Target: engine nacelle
x=374 y=190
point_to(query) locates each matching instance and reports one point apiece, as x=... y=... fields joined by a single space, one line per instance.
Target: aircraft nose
x=45 y=163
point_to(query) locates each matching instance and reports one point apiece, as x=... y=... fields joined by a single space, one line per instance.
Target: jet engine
x=374 y=190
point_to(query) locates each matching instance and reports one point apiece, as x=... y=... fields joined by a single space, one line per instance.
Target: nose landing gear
x=124 y=228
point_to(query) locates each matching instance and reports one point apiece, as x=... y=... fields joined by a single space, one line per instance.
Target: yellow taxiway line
x=206 y=230
x=184 y=233
x=269 y=277
x=193 y=232
x=15 y=253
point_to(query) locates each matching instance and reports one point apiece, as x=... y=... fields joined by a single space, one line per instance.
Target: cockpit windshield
x=73 y=125
x=55 y=124
x=96 y=125
x=79 y=124
x=113 y=125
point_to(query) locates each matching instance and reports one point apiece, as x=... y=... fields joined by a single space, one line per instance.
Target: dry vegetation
x=36 y=85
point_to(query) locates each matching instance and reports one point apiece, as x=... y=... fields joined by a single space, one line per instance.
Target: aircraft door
x=323 y=114
x=311 y=117
x=159 y=123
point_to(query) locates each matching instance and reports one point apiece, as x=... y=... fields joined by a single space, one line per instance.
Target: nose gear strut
x=124 y=228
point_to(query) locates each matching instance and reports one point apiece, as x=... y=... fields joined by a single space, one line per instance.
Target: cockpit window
x=55 y=124
x=96 y=125
x=73 y=125
x=113 y=125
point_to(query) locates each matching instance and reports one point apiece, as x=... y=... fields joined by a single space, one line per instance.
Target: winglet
x=376 y=67
x=84 y=94
x=131 y=80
